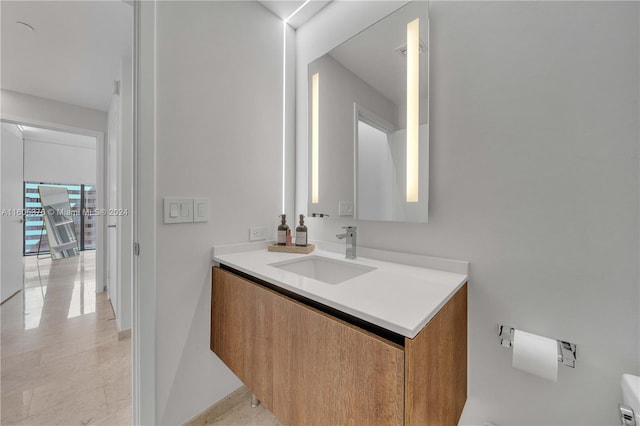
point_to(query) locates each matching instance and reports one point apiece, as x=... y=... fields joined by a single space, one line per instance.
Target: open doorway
x=67 y=68
x=58 y=318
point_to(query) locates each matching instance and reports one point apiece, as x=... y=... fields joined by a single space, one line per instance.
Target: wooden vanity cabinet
x=309 y=367
x=327 y=372
x=242 y=331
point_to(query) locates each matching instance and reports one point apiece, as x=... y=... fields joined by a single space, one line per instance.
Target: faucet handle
x=350 y=231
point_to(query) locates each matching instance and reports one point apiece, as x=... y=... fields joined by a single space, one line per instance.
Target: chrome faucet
x=350 y=235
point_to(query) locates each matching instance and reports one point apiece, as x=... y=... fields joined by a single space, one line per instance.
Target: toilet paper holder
x=566 y=350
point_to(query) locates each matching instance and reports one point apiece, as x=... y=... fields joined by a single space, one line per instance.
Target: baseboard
x=216 y=410
x=124 y=334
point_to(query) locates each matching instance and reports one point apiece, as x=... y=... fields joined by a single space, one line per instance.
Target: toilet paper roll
x=536 y=355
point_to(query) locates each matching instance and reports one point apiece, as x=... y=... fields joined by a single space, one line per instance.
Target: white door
x=112 y=205
x=12 y=201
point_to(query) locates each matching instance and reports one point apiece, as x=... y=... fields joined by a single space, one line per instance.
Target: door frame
x=144 y=207
x=100 y=182
x=11 y=221
x=113 y=147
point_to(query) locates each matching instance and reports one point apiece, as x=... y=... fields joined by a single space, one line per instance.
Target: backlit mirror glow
x=413 y=109
x=315 y=120
x=373 y=122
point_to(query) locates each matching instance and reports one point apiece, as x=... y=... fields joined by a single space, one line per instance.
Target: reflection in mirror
x=379 y=154
x=58 y=221
x=369 y=122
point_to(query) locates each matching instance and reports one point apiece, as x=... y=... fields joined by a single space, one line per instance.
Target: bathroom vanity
x=312 y=354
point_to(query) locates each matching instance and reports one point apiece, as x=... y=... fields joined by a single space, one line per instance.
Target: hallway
x=62 y=362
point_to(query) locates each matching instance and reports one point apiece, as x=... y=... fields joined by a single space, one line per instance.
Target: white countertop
x=398 y=297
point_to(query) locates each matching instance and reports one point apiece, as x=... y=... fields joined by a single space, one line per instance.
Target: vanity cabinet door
x=436 y=367
x=327 y=372
x=241 y=331
x=308 y=367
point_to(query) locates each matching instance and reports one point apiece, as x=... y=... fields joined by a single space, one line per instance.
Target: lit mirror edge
x=413 y=110
x=315 y=137
x=422 y=201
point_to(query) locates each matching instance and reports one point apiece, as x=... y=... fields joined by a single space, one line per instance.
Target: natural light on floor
x=76 y=296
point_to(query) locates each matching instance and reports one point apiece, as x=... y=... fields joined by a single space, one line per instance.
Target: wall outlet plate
x=345 y=208
x=200 y=209
x=257 y=233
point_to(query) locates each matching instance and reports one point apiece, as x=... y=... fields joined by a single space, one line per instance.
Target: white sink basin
x=329 y=271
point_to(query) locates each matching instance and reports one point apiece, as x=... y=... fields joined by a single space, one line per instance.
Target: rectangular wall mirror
x=58 y=221
x=369 y=122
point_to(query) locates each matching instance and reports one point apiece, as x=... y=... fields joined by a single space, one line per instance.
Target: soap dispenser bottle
x=282 y=231
x=301 y=233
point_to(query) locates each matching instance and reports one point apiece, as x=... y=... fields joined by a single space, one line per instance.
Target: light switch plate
x=200 y=209
x=178 y=210
x=345 y=208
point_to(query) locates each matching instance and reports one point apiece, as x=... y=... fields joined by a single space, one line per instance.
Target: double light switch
x=186 y=210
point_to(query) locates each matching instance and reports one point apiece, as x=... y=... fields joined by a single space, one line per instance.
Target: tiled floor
x=243 y=414
x=61 y=360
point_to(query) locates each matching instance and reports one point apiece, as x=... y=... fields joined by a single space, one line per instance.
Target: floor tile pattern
x=61 y=360
x=243 y=414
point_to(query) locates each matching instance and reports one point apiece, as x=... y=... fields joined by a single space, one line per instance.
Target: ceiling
x=284 y=9
x=73 y=55
x=74 y=52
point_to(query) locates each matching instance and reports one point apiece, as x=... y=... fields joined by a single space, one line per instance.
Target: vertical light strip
x=284 y=114
x=315 y=120
x=413 y=113
x=296 y=11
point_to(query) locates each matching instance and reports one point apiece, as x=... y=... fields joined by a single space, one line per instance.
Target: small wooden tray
x=292 y=249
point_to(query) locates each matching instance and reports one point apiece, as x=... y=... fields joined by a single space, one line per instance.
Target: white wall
x=219 y=135
x=289 y=125
x=58 y=163
x=535 y=181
